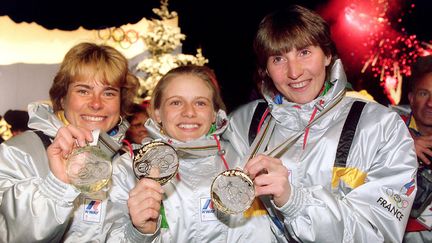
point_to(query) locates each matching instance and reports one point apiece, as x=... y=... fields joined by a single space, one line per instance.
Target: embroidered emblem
x=408 y=188
x=208 y=212
x=92 y=210
x=394 y=204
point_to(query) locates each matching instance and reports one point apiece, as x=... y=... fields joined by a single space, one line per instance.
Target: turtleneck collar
x=285 y=111
x=201 y=147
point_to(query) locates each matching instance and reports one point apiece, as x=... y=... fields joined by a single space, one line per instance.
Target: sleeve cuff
x=294 y=204
x=59 y=191
x=135 y=235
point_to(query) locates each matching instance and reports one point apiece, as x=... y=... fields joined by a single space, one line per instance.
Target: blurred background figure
x=18 y=120
x=418 y=117
x=5 y=132
x=137 y=132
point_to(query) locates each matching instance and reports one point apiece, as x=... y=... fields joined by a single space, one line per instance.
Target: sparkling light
x=373 y=32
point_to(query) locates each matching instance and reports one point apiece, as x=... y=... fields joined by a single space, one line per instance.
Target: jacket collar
x=43 y=118
x=297 y=116
x=201 y=147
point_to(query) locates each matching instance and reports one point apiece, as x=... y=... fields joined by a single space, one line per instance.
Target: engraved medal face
x=89 y=169
x=157 y=161
x=232 y=191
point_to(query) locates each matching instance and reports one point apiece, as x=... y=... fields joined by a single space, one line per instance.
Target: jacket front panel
x=35 y=205
x=189 y=211
x=367 y=201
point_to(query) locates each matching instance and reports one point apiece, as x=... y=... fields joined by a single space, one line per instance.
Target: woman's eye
x=277 y=59
x=82 y=91
x=201 y=103
x=110 y=94
x=304 y=52
x=175 y=102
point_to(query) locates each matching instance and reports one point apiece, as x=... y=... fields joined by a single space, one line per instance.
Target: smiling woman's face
x=186 y=111
x=92 y=105
x=299 y=75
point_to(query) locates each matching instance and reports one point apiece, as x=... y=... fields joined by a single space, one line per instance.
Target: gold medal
x=89 y=169
x=232 y=191
x=157 y=161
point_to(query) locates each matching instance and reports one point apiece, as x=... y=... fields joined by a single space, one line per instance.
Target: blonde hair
x=204 y=73
x=101 y=62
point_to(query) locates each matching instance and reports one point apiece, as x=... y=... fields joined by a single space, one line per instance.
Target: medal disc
x=232 y=191
x=89 y=169
x=157 y=161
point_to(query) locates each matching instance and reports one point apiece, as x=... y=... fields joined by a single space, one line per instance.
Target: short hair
x=204 y=73
x=419 y=69
x=18 y=119
x=136 y=109
x=283 y=30
x=97 y=61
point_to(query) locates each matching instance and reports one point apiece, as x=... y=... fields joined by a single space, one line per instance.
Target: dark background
x=223 y=29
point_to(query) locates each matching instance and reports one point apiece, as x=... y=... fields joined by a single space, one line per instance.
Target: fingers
x=144 y=205
x=80 y=136
x=262 y=164
x=266 y=184
x=66 y=139
x=145 y=185
x=270 y=178
x=425 y=156
x=423 y=145
x=69 y=137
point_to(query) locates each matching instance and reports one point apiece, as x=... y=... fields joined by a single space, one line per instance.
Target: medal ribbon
x=164 y=222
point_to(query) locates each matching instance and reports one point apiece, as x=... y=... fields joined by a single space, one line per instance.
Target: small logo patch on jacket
x=92 y=210
x=208 y=212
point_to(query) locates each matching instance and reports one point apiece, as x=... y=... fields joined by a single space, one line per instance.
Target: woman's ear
x=328 y=60
x=157 y=116
x=62 y=103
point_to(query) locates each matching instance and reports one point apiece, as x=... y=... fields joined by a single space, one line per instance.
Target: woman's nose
x=95 y=102
x=188 y=110
x=429 y=101
x=294 y=69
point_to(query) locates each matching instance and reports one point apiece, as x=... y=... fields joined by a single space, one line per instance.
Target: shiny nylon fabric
x=35 y=205
x=185 y=193
x=382 y=156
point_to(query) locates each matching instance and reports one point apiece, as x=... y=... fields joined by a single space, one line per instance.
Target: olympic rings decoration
x=124 y=38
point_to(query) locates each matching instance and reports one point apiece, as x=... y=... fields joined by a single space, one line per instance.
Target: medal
x=232 y=191
x=89 y=169
x=156 y=160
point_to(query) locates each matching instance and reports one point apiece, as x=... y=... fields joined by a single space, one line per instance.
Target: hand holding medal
x=233 y=190
x=89 y=168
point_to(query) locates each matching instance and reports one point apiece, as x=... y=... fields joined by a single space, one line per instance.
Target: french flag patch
x=408 y=188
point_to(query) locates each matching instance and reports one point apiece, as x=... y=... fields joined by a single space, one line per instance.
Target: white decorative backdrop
x=30 y=57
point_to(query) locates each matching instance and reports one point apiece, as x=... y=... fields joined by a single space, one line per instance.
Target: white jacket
x=189 y=213
x=36 y=206
x=372 y=199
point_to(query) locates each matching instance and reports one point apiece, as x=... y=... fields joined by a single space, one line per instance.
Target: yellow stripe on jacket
x=352 y=177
